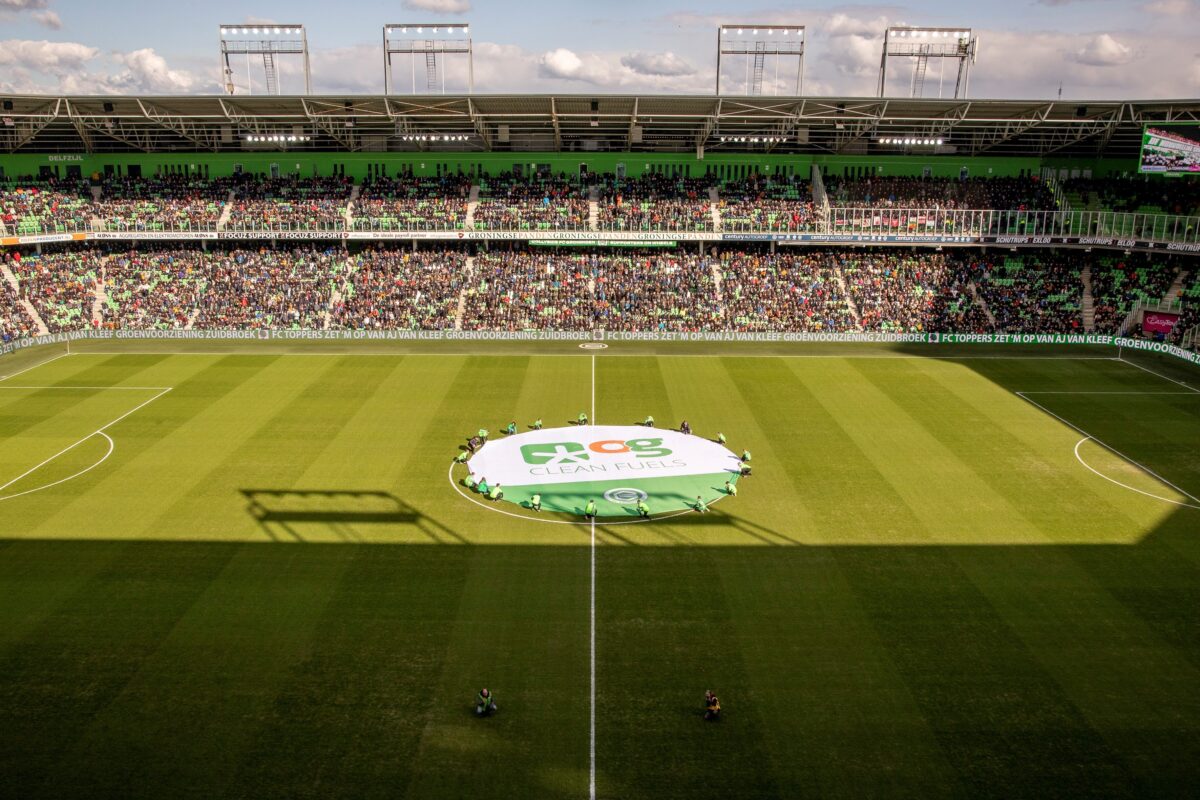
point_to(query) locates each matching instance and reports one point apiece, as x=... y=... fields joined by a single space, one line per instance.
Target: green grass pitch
x=262 y=583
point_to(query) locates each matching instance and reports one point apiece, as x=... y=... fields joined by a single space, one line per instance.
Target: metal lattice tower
x=923 y=44
x=780 y=43
x=432 y=42
x=268 y=43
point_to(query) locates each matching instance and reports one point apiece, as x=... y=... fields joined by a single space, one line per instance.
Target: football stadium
x=439 y=443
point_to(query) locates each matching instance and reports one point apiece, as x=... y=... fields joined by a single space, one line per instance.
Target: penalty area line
x=1113 y=450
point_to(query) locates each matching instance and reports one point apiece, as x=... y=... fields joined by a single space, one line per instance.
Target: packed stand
x=1035 y=293
x=656 y=291
x=655 y=203
x=155 y=289
x=895 y=291
x=291 y=204
x=511 y=202
x=782 y=292
x=61 y=286
x=399 y=289
x=267 y=288
x=1020 y=194
x=517 y=291
x=408 y=203
x=765 y=204
x=32 y=207
x=163 y=203
x=15 y=323
x=1120 y=282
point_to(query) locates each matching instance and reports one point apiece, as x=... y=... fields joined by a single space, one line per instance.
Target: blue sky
x=1094 y=48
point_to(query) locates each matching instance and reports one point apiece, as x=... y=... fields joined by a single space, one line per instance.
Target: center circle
x=613 y=466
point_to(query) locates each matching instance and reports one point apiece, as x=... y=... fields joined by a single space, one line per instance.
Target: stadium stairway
x=226 y=212
x=38 y=323
x=355 y=191
x=593 y=208
x=192 y=319
x=100 y=297
x=850 y=304
x=983 y=306
x=472 y=204
x=714 y=200
x=1176 y=291
x=1088 y=303
x=716 y=273
x=461 y=308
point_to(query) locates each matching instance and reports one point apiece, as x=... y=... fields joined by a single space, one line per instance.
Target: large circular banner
x=613 y=465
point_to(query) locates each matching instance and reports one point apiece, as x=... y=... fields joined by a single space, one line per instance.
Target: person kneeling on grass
x=643 y=509
x=649 y=423
x=582 y=420
x=730 y=489
x=462 y=457
x=745 y=455
x=589 y=510
x=712 y=706
x=720 y=438
x=701 y=506
x=470 y=483
x=482 y=487
x=485 y=704
x=685 y=427
x=535 y=502
x=537 y=424
x=495 y=493
x=512 y=428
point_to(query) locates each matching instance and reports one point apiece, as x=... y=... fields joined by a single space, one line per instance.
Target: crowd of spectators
x=522 y=290
x=291 y=204
x=399 y=289
x=406 y=203
x=655 y=203
x=162 y=203
x=152 y=289
x=512 y=202
x=60 y=285
x=761 y=203
x=1035 y=293
x=1023 y=194
x=265 y=288
x=14 y=321
x=895 y=291
x=655 y=291
x=30 y=207
x=782 y=292
x=1119 y=283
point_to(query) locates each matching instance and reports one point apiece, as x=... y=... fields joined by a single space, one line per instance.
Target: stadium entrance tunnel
x=613 y=466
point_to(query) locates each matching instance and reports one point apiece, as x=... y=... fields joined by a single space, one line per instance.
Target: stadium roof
x=580 y=123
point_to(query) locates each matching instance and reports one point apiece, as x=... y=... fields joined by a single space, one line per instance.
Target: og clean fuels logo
x=573 y=452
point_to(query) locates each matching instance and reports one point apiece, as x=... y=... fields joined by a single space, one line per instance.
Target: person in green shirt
x=483 y=434
x=649 y=423
x=589 y=510
x=583 y=419
x=537 y=424
x=535 y=502
x=730 y=489
x=485 y=703
x=470 y=483
x=482 y=486
x=643 y=509
x=512 y=428
x=701 y=506
x=495 y=493
x=720 y=438
x=462 y=457
x=745 y=455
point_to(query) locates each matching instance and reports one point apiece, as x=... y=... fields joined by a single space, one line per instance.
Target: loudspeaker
x=108 y=108
x=8 y=106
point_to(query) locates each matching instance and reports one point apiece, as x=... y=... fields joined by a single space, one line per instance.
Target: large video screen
x=1171 y=149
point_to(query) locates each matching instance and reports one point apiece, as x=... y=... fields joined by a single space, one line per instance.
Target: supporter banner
x=44 y=238
x=872 y=238
x=1158 y=322
x=287 y=235
x=151 y=235
x=1048 y=339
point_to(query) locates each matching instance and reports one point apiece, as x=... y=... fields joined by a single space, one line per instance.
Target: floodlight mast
x=267 y=41
x=431 y=40
x=922 y=44
x=757 y=42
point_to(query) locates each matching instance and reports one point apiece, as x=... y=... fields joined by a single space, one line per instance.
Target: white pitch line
x=105 y=388
x=111 y=446
x=522 y=354
x=35 y=366
x=1079 y=458
x=1159 y=375
x=1109 y=447
x=1178 y=394
x=99 y=431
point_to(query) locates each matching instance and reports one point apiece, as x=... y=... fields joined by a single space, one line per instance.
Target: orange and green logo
x=575 y=452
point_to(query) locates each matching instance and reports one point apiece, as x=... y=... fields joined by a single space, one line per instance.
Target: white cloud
x=147 y=71
x=48 y=18
x=562 y=63
x=1170 y=8
x=1104 y=51
x=439 y=6
x=657 y=64
x=21 y=5
x=39 y=56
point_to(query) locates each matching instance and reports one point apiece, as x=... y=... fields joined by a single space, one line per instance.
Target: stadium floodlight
x=911 y=141
x=443 y=39
x=268 y=43
x=758 y=49
x=921 y=44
